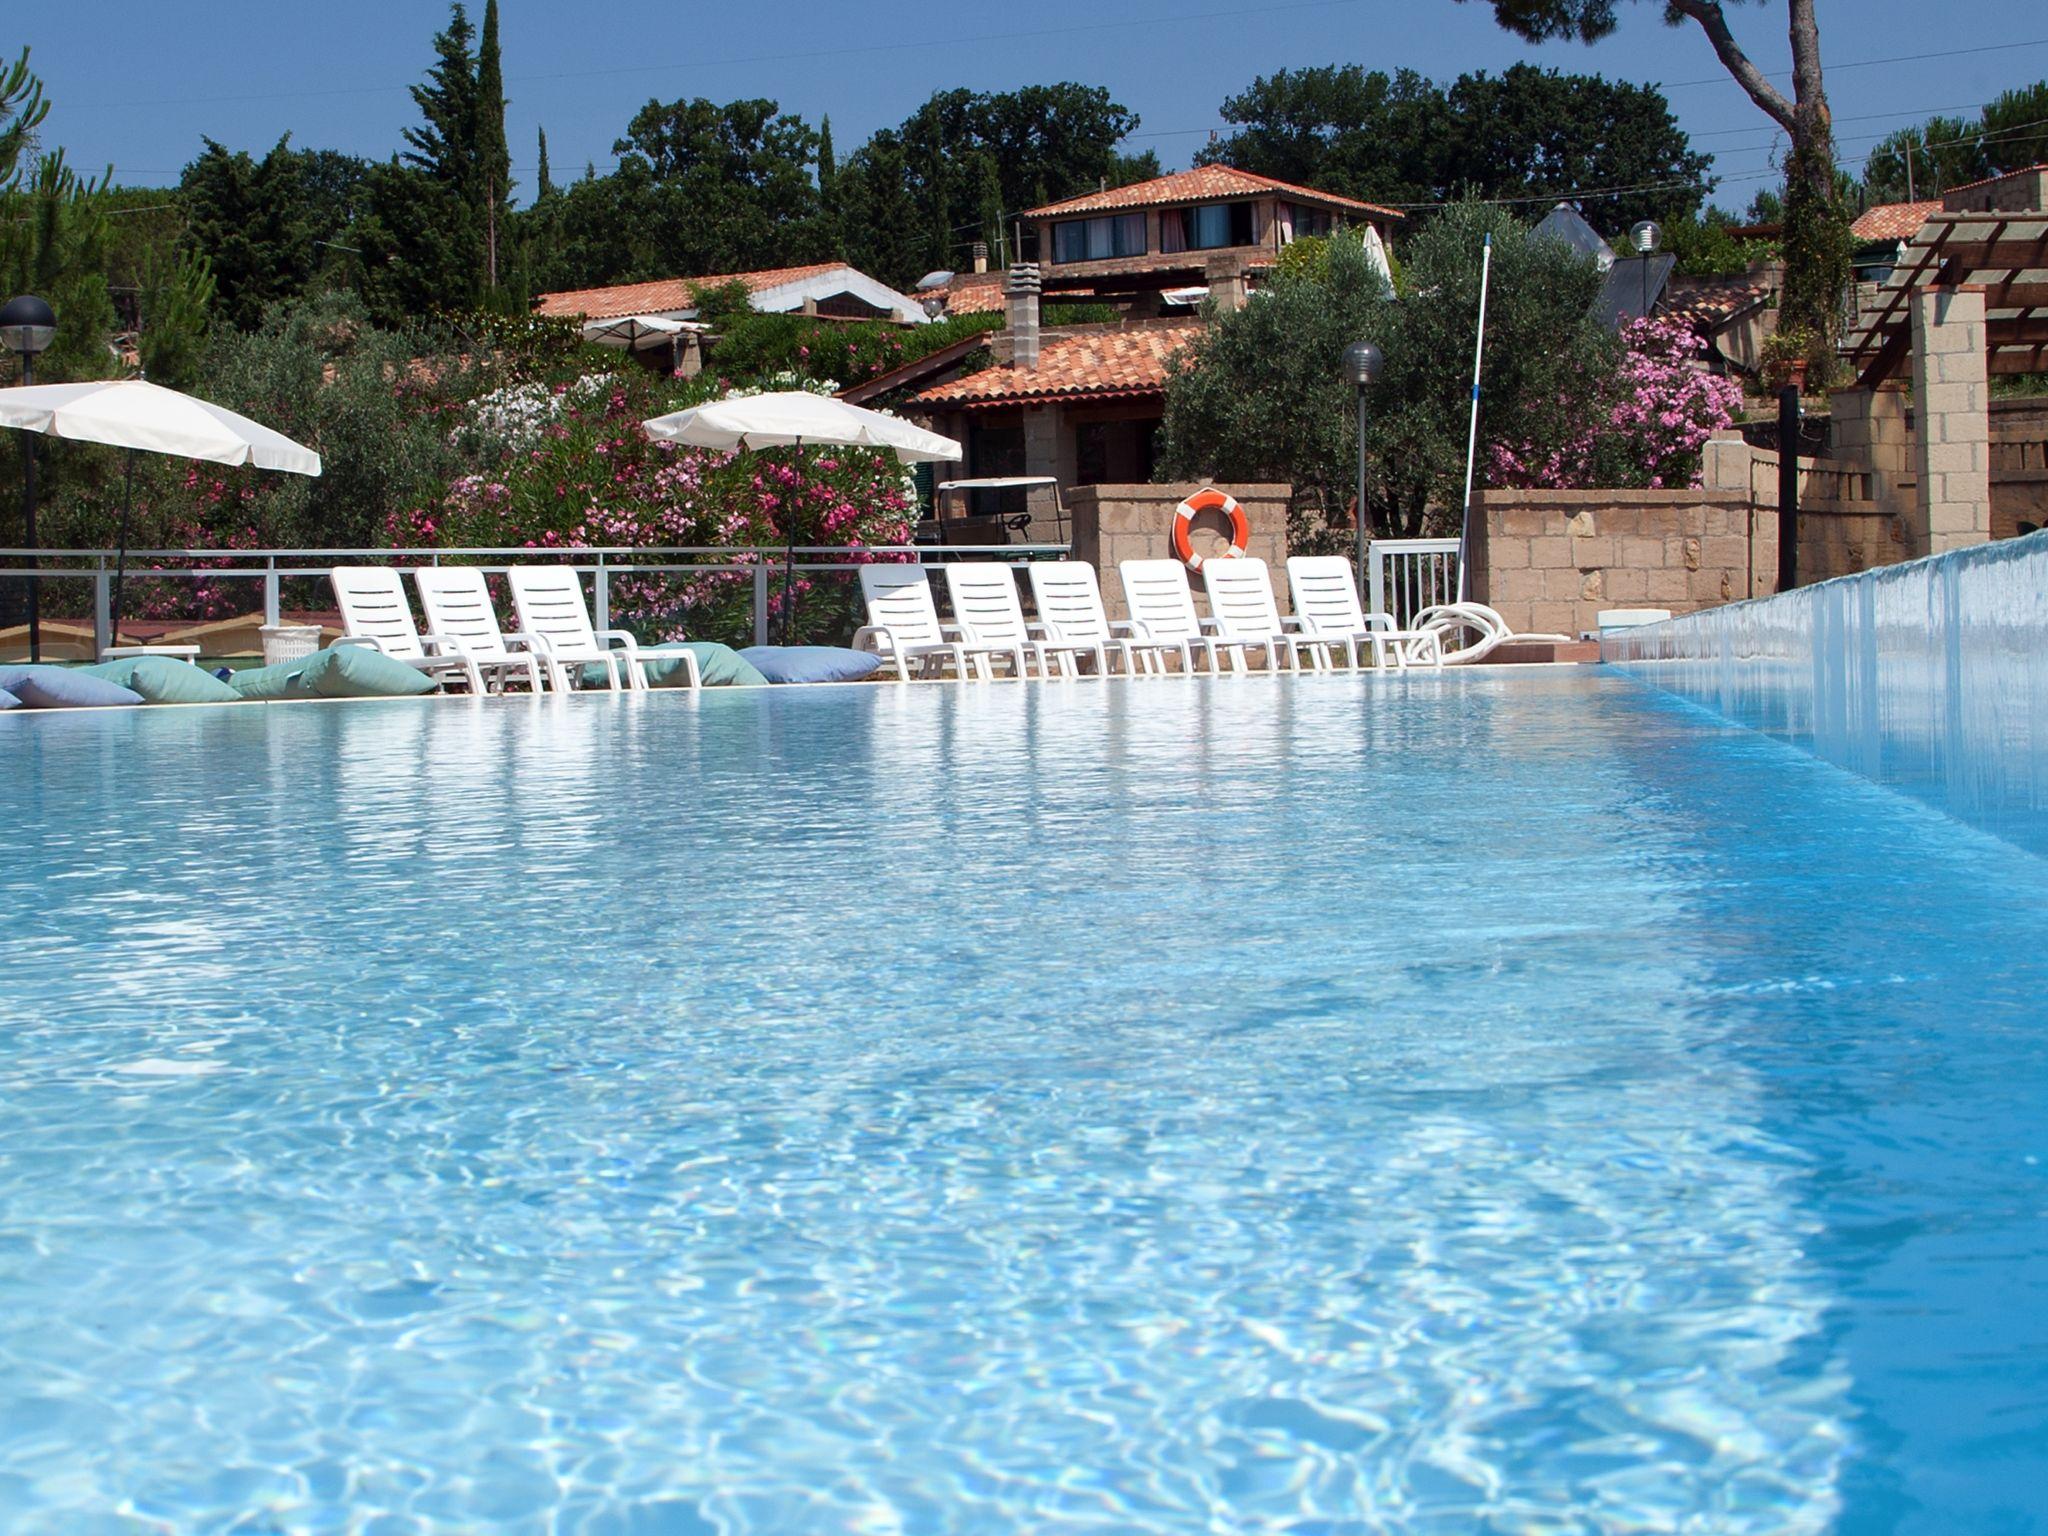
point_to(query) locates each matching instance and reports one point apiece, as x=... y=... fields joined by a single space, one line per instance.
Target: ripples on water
x=1432 y=1105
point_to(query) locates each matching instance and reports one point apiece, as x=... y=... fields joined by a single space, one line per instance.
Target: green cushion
x=164 y=680
x=721 y=666
x=340 y=672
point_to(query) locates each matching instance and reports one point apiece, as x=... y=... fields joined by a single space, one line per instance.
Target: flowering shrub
x=1646 y=430
x=576 y=471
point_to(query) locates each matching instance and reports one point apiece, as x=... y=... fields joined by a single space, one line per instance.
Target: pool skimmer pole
x=1472 y=434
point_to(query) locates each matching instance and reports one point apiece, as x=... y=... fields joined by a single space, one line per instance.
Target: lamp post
x=1645 y=236
x=1362 y=364
x=28 y=326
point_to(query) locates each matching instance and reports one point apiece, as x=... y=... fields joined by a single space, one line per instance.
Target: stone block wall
x=1135 y=522
x=1952 y=395
x=1551 y=560
x=2019 y=465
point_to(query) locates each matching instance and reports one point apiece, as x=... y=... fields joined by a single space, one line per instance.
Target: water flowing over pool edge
x=1929 y=677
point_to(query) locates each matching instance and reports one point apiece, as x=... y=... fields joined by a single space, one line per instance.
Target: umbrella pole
x=789 y=567
x=121 y=555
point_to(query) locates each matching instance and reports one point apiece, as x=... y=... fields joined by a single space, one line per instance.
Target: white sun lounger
x=991 y=618
x=1243 y=613
x=1072 y=622
x=1447 y=620
x=903 y=624
x=375 y=614
x=549 y=602
x=1326 y=607
x=458 y=605
x=1163 y=616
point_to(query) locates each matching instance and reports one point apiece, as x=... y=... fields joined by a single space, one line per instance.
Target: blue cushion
x=339 y=672
x=8 y=700
x=48 y=687
x=811 y=663
x=164 y=680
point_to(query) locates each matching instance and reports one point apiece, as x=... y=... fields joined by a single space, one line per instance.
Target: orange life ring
x=1209 y=499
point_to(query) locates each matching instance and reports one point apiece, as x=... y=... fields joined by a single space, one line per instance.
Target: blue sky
x=136 y=86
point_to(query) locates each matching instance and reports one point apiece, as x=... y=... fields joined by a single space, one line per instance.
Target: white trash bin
x=288 y=642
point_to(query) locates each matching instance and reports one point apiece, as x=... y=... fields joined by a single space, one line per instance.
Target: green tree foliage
x=1707 y=246
x=22 y=110
x=1817 y=227
x=494 y=157
x=55 y=241
x=2010 y=134
x=757 y=346
x=966 y=162
x=1526 y=133
x=1261 y=396
x=175 y=314
x=256 y=222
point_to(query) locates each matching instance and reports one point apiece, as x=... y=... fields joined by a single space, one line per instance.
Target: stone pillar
x=1048 y=450
x=1951 y=387
x=1725 y=462
x=1870 y=430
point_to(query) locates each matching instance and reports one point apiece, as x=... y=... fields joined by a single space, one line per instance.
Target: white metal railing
x=1405 y=576
x=271 y=567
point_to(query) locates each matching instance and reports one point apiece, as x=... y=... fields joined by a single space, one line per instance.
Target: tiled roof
x=979 y=293
x=1892 y=221
x=668 y=293
x=1706 y=306
x=2025 y=170
x=1092 y=362
x=1203 y=184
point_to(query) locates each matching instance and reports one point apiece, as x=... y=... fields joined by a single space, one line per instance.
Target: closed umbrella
x=136 y=414
x=795 y=419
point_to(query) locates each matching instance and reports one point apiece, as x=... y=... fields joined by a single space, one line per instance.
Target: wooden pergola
x=2006 y=254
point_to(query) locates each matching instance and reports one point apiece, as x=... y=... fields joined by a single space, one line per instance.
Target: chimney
x=981 y=255
x=1023 y=291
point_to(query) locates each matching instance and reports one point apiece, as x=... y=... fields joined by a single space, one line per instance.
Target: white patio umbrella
x=795 y=419
x=629 y=331
x=136 y=414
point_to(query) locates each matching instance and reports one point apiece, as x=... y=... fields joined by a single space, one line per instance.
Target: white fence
x=1405 y=576
x=268 y=568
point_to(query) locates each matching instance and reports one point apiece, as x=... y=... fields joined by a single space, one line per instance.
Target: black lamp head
x=1362 y=363
x=27 y=324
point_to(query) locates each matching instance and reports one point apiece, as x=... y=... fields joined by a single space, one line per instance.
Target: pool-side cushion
x=164 y=680
x=47 y=687
x=721 y=665
x=810 y=663
x=340 y=672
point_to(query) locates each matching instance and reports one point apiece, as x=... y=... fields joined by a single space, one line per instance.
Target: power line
x=1834 y=69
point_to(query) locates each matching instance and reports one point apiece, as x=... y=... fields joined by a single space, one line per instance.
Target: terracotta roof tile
x=1202 y=184
x=668 y=293
x=979 y=293
x=1094 y=362
x=1892 y=221
x=1706 y=306
x=1971 y=186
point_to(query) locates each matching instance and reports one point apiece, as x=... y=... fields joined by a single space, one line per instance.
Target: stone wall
x=2019 y=465
x=1135 y=522
x=1551 y=560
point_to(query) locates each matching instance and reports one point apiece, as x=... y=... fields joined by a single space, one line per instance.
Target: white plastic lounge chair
x=1243 y=613
x=374 y=613
x=549 y=602
x=1327 y=609
x=1449 y=621
x=458 y=605
x=991 y=619
x=1072 y=623
x=903 y=623
x=1163 y=617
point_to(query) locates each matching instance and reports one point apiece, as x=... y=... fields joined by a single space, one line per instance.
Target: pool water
x=1448 y=1104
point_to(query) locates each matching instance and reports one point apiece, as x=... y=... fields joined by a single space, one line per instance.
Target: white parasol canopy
x=792 y=418
x=134 y=413
x=795 y=419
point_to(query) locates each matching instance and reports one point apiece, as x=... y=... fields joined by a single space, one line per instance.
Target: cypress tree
x=545 y=186
x=828 y=165
x=494 y=157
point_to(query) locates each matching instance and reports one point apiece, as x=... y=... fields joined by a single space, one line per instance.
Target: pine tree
x=446 y=149
x=494 y=157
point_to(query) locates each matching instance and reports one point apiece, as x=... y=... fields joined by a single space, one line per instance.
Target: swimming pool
x=1518 y=1103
